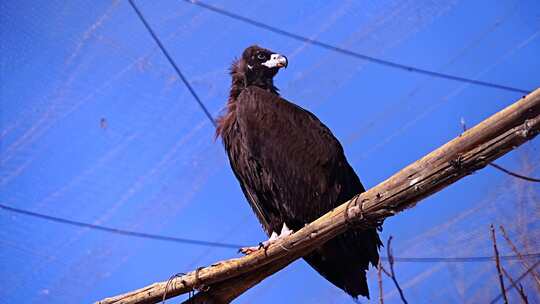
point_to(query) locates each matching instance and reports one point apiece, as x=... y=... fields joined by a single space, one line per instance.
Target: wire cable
x=523 y=177
x=172 y=62
x=470 y=259
x=236 y=246
x=351 y=53
x=117 y=231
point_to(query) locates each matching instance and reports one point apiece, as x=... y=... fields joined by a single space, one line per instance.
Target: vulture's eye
x=261 y=56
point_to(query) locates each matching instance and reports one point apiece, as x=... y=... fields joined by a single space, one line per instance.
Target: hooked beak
x=276 y=61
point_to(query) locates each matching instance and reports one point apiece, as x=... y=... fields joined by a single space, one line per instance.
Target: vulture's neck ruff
x=257 y=67
x=244 y=75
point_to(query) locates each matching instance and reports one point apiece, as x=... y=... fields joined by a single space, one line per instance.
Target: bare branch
x=521 y=277
x=522 y=293
x=519 y=290
x=379 y=280
x=498 y=263
x=520 y=256
x=467 y=153
x=392 y=273
x=386 y=272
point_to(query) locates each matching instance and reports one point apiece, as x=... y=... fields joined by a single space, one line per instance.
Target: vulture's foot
x=285 y=231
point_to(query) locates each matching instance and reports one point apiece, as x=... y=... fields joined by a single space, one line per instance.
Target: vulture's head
x=256 y=67
x=260 y=65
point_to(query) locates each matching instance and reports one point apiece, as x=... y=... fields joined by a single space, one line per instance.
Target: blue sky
x=95 y=126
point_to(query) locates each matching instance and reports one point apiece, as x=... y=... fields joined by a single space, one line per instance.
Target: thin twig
x=520 y=256
x=386 y=272
x=521 y=277
x=498 y=263
x=518 y=290
x=379 y=280
x=392 y=273
x=522 y=292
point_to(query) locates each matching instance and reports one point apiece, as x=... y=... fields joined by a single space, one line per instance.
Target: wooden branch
x=472 y=150
x=228 y=290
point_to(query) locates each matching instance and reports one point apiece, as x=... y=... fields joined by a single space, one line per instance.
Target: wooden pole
x=474 y=149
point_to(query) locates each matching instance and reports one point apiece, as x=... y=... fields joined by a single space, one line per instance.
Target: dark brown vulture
x=292 y=169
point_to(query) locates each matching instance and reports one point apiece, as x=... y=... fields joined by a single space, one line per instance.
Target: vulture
x=292 y=169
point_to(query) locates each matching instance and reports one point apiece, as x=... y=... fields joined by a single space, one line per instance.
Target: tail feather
x=344 y=260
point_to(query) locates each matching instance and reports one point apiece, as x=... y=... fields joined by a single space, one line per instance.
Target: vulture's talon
x=248 y=250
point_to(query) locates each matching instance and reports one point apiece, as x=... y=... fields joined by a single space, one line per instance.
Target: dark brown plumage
x=291 y=168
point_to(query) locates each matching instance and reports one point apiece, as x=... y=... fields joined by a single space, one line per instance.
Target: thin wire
x=236 y=246
x=527 y=178
x=461 y=259
x=118 y=231
x=172 y=62
x=351 y=53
